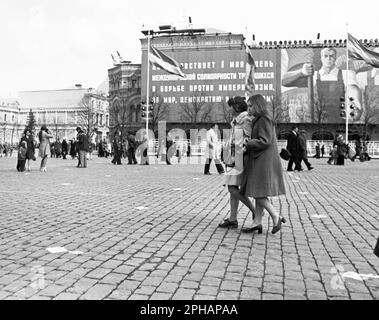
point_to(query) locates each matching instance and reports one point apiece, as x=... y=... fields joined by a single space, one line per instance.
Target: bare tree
x=159 y=113
x=197 y=110
x=120 y=117
x=87 y=116
x=226 y=111
x=370 y=116
x=278 y=107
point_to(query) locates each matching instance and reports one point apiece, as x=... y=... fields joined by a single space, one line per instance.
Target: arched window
x=322 y=135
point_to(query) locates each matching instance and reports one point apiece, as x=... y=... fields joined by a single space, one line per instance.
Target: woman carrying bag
x=234 y=160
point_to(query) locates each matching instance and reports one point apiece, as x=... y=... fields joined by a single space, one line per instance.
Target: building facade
x=124 y=97
x=215 y=66
x=61 y=110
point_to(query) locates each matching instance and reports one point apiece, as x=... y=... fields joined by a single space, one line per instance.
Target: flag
x=250 y=70
x=359 y=52
x=164 y=62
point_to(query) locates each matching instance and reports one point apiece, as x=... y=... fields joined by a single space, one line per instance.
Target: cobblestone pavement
x=150 y=232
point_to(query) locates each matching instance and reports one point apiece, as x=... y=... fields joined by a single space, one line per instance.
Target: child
x=21 y=157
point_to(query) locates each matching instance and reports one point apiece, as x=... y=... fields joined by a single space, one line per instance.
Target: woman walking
x=44 y=146
x=263 y=174
x=241 y=129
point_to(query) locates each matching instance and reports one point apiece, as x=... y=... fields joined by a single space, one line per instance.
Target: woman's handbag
x=229 y=152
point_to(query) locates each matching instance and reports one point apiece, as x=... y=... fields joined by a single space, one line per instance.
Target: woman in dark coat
x=263 y=176
x=30 y=146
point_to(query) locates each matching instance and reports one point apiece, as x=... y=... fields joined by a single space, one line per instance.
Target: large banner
x=211 y=77
x=314 y=81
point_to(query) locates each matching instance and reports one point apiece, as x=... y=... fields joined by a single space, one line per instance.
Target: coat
x=44 y=146
x=303 y=147
x=263 y=174
x=233 y=176
x=293 y=145
x=212 y=149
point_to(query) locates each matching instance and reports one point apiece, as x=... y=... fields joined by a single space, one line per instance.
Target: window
x=133 y=84
x=13 y=118
x=107 y=120
x=5 y=117
x=101 y=119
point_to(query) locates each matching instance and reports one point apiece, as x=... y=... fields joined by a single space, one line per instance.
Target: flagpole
x=346 y=91
x=148 y=89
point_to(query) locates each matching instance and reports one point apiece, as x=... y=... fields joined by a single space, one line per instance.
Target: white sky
x=54 y=44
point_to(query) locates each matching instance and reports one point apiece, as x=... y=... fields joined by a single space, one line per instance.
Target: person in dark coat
x=30 y=147
x=21 y=156
x=64 y=148
x=263 y=173
x=73 y=148
x=83 y=147
x=117 y=151
x=317 y=155
x=293 y=146
x=132 y=145
x=322 y=151
x=341 y=150
x=303 y=150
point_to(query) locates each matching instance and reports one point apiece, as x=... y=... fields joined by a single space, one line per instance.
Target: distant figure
x=82 y=148
x=317 y=156
x=44 y=146
x=132 y=145
x=341 y=150
x=322 y=151
x=365 y=155
x=64 y=148
x=303 y=151
x=212 y=151
x=293 y=146
x=21 y=156
x=73 y=148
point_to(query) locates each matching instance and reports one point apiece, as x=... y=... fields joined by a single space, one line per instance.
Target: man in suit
x=293 y=146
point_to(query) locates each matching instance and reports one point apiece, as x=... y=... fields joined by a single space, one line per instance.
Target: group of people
x=297 y=148
x=6 y=149
x=320 y=151
x=78 y=147
x=256 y=171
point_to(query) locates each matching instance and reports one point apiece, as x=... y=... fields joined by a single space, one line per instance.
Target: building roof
x=51 y=99
x=104 y=87
x=214 y=30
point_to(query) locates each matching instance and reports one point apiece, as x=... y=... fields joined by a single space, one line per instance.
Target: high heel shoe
x=250 y=230
x=278 y=226
x=283 y=219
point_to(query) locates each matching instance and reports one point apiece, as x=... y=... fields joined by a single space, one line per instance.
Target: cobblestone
x=173 y=249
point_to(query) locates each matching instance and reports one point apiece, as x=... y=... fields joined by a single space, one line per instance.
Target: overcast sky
x=54 y=44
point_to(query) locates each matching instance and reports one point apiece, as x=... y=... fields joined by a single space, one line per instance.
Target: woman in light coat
x=263 y=174
x=241 y=129
x=44 y=146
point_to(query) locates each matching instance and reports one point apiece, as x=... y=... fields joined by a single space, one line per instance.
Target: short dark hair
x=238 y=103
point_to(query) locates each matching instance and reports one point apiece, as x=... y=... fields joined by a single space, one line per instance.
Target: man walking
x=293 y=147
x=303 y=151
x=212 y=150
